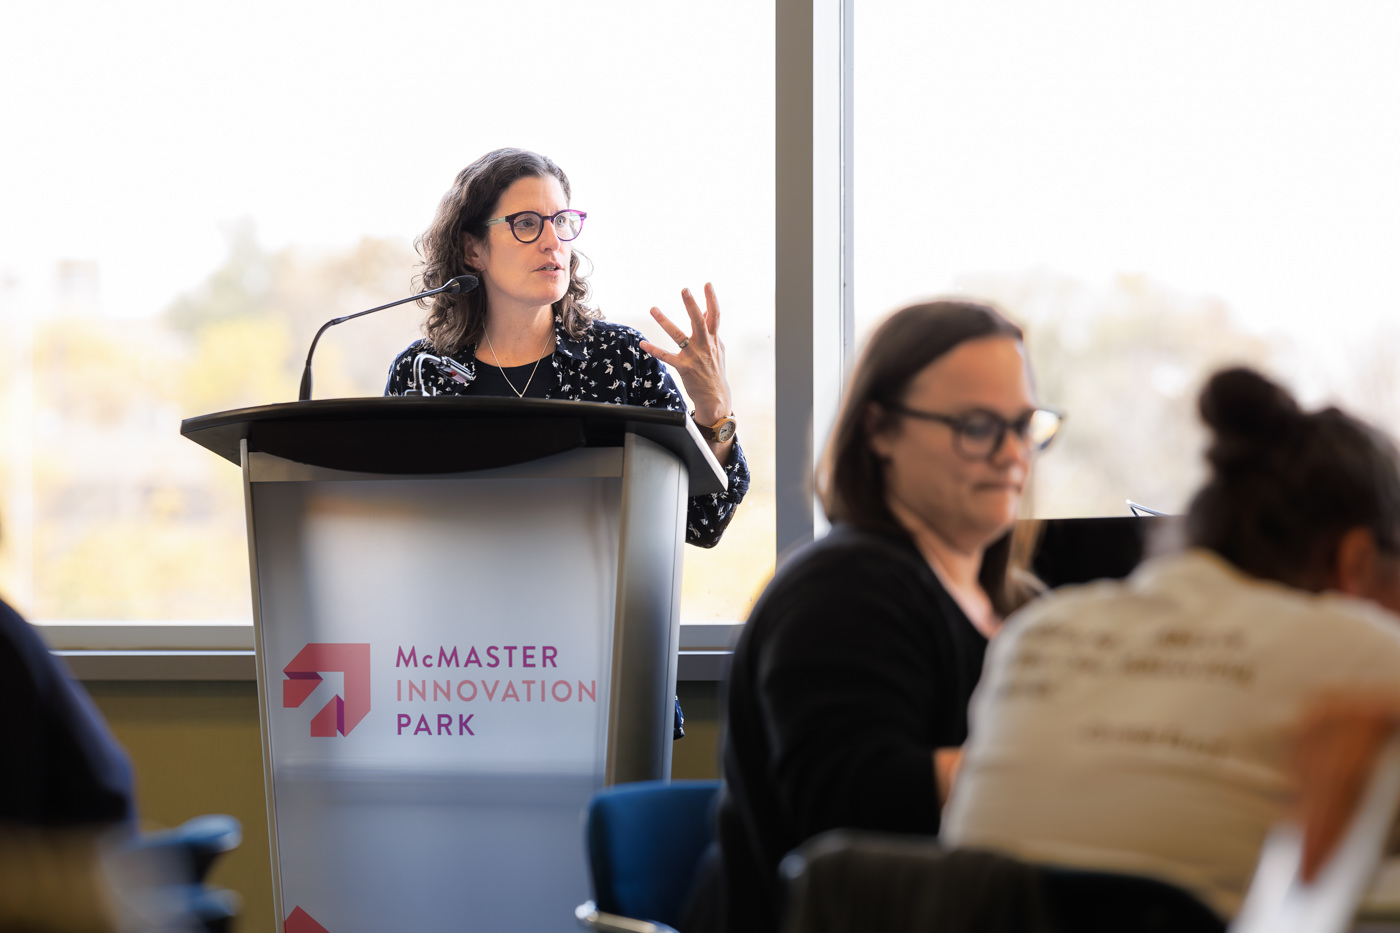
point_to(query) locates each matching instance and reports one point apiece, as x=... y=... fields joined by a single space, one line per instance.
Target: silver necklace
x=519 y=393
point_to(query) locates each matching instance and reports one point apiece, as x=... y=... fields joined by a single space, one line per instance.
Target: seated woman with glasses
x=528 y=332
x=848 y=692
x=1144 y=726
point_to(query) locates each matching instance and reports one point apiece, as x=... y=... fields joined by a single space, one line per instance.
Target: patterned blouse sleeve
x=401 y=372
x=707 y=515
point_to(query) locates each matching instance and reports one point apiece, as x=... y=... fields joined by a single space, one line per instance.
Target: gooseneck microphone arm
x=459 y=285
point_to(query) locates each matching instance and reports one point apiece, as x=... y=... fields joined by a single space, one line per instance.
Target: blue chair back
x=187 y=852
x=645 y=841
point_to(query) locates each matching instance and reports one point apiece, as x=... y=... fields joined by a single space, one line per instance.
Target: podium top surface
x=416 y=436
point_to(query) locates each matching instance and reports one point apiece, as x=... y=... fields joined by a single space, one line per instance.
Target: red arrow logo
x=340 y=715
x=299 y=921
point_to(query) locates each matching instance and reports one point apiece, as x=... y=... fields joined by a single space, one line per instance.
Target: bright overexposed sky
x=137 y=132
x=1246 y=150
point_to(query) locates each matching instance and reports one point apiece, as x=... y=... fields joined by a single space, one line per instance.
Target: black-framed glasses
x=528 y=225
x=979 y=434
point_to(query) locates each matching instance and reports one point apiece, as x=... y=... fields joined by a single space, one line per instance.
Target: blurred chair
x=1279 y=901
x=165 y=874
x=67 y=789
x=645 y=842
x=1099 y=902
x=846 y=881
x=91 y=880
x=849 y=880
x=199 y=841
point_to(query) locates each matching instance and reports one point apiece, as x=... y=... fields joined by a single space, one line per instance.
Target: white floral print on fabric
x=606 y=365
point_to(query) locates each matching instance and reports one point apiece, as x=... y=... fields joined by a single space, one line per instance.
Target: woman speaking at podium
x=528 y=332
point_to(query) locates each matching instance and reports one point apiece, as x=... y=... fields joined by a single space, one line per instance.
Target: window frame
x=814 y=346
x=814 y=315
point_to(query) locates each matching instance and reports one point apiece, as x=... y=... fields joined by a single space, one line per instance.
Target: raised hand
x=699 y=357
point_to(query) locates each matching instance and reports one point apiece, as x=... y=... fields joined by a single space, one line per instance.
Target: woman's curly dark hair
x=1287 y=484
x=458 y=322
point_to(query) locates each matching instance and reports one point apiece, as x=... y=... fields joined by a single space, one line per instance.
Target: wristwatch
x=719 y=432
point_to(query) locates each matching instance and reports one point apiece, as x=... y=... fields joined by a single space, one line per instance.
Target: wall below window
x=197 y=749
x=697 y=755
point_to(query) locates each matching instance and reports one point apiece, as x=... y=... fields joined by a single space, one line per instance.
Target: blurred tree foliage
x=248 y=327
x=1124 y=362
x=131 y=520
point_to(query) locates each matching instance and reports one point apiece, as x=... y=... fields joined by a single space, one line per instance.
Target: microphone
x=460 y=285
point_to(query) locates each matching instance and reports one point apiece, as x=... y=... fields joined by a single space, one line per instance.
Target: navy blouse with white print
x=606 y=365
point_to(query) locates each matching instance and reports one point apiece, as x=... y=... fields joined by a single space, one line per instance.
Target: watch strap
x=722 y=430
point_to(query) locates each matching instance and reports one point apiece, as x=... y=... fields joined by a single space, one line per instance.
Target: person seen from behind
x=1144 y=726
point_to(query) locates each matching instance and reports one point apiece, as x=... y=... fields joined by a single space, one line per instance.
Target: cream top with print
x=1142 y=726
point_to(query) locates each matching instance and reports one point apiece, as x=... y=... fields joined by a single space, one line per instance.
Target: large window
x=1153 y=190
x=188 y=191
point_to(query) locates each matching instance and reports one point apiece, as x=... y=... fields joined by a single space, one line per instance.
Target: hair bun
x=1241 y=404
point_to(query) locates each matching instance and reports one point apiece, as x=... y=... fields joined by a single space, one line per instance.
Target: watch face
x=726 y=430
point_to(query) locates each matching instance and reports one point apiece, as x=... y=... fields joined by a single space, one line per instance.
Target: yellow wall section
x=697 y=755
x=196 y=749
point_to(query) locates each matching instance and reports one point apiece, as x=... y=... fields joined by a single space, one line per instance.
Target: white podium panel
x=457 y=647
x=434 y=658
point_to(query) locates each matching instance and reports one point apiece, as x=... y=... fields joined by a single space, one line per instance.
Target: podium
x=467 y=621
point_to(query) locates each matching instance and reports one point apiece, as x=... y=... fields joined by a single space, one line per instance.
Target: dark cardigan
x=855 y=665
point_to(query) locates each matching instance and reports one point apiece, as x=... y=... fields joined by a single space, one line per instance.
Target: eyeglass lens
x=980 y=434
x=528 y=225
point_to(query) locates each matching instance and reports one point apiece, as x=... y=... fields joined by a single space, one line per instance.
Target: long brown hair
x=458 y=321
x=851 y=480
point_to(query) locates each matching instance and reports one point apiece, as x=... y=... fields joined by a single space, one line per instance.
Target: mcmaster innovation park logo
x=341 y=714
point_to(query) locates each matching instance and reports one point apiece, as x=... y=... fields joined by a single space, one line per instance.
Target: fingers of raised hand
x=693 y=309
x=672 y=331
x=712 y=303
x=670 y=359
